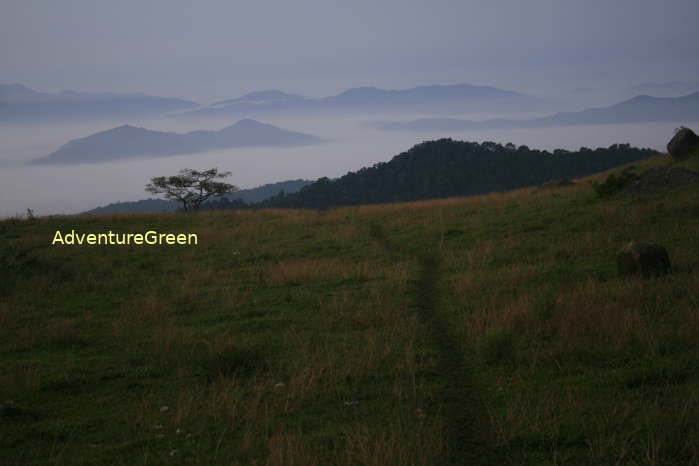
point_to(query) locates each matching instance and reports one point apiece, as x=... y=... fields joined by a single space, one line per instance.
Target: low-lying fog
x=65 y=189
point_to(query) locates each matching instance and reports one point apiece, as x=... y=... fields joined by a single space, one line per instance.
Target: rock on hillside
x=643 y=258
x=683 y=143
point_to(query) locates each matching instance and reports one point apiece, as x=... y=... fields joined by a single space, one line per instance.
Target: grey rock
x=683 y=143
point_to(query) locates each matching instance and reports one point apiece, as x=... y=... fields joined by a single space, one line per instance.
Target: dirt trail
x=458 y=399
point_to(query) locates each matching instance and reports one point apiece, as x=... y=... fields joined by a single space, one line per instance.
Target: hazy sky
x=214 y=49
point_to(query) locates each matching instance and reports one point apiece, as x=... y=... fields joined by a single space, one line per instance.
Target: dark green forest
x=447 y=168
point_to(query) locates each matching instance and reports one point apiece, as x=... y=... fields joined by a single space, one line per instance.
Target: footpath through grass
x=491 y=328
x=456 y=399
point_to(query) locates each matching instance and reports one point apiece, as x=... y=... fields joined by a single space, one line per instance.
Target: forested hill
x=446 y=168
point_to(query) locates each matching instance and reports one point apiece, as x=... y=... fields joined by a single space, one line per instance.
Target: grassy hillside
x=481 y=330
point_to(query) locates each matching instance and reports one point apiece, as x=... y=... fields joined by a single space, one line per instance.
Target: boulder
x=644 y=259
x=683 y=143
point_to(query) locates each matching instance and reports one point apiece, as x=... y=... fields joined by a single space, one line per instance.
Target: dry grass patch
x=531 y=412
x=616 y=315
x=465 y=283
x=317 y=366
x=65 y=331
x=14 y=314
x=512 y=316
x=196 y=277
x=223 y=400
x=664 y=430
x=299 y=271
x=215 y=237
x=141 y=313
x=490 y=200
x=57 y=331
x=150 y=308
x=19 y=379
x=591 y=315
x=291 y=449
x=476 y=257
x=419 y=440
x=289 y=216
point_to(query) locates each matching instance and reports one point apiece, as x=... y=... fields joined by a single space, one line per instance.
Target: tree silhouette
x=191 y=187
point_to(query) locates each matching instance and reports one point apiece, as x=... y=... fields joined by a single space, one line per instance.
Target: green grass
x=490 y=329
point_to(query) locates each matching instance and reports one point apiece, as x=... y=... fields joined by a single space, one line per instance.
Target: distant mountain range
x=445 y=99
x=130 y=141
x=20 y=104
x=665 y=89
x=640 y=109
x=269 y=97
x=249 y=196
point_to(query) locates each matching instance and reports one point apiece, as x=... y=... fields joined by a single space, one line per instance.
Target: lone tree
x=191 y=187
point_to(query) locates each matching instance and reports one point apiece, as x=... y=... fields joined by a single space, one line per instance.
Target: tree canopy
x=446 y=168
x=191 y=187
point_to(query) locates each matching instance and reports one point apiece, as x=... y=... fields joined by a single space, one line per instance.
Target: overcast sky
x=214 y=49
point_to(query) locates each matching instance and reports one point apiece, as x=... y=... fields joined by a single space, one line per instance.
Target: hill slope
x=130 y=141
x=160 y=205
x=481 y=330
x=446 y=168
